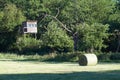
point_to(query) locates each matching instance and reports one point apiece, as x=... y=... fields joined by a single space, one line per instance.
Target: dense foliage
x=63 y=25
x=56 y=39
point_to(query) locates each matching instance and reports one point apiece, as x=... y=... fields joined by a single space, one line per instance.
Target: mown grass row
x=13 y=56
x=63 y=57
x=36 y=57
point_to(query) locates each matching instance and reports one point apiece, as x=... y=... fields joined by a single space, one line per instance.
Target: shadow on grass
x=108 y=75
x=33 y=60
x=37 y=60
x=21 y=60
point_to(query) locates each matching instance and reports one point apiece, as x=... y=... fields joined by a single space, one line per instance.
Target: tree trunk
x=75 y=39
x=118 y=47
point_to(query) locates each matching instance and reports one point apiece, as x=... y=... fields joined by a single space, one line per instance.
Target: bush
x=109 y=56
x=115 y=56
x=104 y=56
x=27 y=45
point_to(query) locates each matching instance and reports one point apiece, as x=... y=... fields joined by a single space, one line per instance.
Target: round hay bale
x=88 y=60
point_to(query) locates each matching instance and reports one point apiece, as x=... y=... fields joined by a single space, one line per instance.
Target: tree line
x=63 y=25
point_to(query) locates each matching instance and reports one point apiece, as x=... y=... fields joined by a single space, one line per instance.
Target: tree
x=56 y=39
x=92 y=36
x=114 y=22
x=70 y=14
x=30 y=8
x=10 y=20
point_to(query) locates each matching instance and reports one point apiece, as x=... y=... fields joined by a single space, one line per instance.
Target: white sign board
x=30 y=27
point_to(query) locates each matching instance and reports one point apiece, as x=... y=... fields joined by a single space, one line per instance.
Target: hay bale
x=88 y=60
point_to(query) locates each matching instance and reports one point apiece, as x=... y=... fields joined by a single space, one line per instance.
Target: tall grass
x=63 y=57
x=13 y=56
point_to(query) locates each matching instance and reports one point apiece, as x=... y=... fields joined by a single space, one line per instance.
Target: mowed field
x=23 y=70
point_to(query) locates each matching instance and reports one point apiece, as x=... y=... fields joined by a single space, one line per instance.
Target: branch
x=43 y=18
x=58 y=11
x=64 y=26
x=75 y=33
x=45 y=28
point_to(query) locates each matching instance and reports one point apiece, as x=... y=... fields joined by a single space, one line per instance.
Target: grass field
x=28 y=70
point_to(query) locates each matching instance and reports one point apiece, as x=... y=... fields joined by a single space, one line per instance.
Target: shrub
x=115 y=56
x=104 y=56
x=109 y=56
x=27 y=44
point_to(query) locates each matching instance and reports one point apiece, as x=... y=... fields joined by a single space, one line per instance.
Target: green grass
x=15 y=57
x=69 y=57
x=20 y=70
x=22 y=67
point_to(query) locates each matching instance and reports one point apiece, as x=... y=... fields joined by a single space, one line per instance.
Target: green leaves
x=56 y=38
x=92 y=36
x=11 y=18
x=26 y=44
x=1 y=15
x=83 y=20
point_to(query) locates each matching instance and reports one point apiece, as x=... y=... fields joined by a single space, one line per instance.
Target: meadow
x=34 y=70
x=33 y=67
